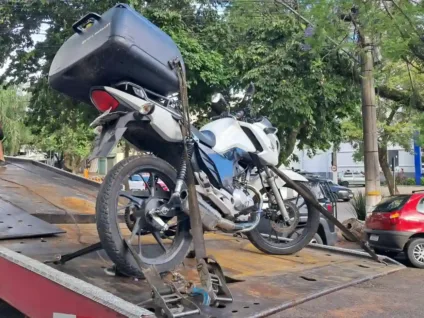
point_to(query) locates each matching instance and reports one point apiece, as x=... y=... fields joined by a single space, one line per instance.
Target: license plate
x=374 y=238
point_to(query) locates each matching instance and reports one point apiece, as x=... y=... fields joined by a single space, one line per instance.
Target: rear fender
x=112 y=132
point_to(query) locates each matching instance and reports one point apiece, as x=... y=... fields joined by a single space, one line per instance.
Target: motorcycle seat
x=206 y=137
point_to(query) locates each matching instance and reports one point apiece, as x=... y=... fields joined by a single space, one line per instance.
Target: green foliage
x=402 y=180
x=299 y=90
x=395 y=29
x=306 y=85
x=410 y=181
x=60 y=122
x=422 y=180
x=12 y=113
x=358 y=206
x=396 y=126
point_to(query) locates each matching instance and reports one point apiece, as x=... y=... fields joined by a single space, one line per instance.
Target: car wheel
x=344 y=184
x=415 y=252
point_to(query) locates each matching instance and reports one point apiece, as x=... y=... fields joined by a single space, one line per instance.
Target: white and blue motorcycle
x=230 y=159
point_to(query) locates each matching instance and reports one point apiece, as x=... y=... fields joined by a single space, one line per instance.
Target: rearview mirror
x=216 y=98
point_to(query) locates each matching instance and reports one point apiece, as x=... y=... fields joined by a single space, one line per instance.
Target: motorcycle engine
x=242 y=198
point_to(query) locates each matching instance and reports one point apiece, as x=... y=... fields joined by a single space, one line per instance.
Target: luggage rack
x=145 y=93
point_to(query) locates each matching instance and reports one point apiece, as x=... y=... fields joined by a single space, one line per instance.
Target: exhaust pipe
x=212 y=220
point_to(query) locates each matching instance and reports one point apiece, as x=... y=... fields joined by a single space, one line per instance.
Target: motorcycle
x=130 y=70
x=230 y=160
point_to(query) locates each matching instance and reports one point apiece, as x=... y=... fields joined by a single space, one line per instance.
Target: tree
x=298 y=88
x=395 y=29
x=58 y=118
x=395 y=127
x=12 y=113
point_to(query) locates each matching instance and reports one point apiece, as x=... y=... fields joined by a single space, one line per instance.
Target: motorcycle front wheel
x=271 y=237
x=146 y=178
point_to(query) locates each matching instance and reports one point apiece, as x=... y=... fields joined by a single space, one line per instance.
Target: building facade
x=321 y=162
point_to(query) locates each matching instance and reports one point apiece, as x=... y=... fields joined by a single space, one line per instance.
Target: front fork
x=270 y=178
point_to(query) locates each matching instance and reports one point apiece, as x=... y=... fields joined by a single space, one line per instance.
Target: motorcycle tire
x=108 y=226
x=295 y=245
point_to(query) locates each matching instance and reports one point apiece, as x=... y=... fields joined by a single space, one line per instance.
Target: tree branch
x=395 y=95
x=391 y=116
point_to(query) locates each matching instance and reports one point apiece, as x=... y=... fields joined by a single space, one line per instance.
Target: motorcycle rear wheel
x=111 y=231
x=280 y=245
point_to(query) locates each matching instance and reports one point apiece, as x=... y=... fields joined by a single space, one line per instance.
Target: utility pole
x=369 y=113
x=369 y=119
x=334 y=164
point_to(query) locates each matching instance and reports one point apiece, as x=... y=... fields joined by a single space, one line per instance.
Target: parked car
x=342 y=193
x=397 y=225
x=326 y=233
x=136 y=182
x=348 y=178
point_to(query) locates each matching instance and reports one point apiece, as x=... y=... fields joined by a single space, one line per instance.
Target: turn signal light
x=147 y=108
x=103 y=100
x=394 y=218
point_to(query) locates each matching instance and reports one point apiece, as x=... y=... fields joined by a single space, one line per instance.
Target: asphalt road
x=395 y=295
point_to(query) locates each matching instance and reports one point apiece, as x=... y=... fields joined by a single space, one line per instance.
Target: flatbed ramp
x=261 y=284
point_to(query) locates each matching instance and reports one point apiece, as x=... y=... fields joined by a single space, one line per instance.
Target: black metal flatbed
x=261 y=284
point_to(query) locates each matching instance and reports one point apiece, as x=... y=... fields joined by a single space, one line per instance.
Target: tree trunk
x=288 y=148
x=126 y=150
x=384 y=164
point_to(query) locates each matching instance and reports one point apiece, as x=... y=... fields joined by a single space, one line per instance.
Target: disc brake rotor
x=278 y=224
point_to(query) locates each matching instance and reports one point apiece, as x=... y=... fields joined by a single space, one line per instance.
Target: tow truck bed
x=261 y=284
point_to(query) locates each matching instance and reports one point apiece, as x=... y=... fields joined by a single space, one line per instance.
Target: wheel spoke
x=418 y=253
x=158 y=239
x=152 y=176
x=146 y=183
x=135 y=229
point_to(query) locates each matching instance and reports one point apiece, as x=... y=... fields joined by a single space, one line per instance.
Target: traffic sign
x=334 y=168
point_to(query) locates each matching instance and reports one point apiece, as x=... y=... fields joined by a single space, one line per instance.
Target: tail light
x=103 y=100
x=329 y=207
x=394 y=217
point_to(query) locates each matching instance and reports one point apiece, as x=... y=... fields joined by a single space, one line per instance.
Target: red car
x=397 y=225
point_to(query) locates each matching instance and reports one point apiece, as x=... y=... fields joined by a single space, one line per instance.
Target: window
x=420 y=206
x=391 y=204
x=316 y=189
